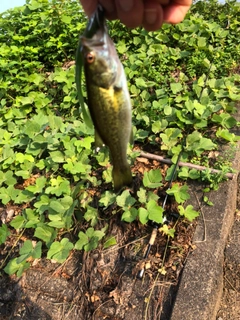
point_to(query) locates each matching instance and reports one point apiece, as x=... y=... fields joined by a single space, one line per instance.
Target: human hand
x=150 y=14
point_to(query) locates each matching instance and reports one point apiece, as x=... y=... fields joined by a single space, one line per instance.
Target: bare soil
x=103 y=283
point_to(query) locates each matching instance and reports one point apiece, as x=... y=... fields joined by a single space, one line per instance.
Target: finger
x=176 y=11
x=130 y=12
x=153 y=16
x=89 y=6
x=110 y=8
x=163 y=2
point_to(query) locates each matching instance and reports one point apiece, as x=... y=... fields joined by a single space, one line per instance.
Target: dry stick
x=185 y=164
x=204 y=222
x=13 y=246
x=231 y=284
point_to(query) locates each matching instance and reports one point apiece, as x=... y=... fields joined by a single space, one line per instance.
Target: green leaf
x=107 y=175
x=83 y=240
x=57 y=156
x=56 y=221
x=39 y=185
x=152 y=178
x=188 y=212
x=4 y=233
x=42 y=204
x=207 y=201
x=99 y=234
x=23 y=173
x=27 y=247
x=92 y=244
x=59 y=251
x=56 y=206
x=226 y=135
x=91 y=215
x=66 y=19
x=176 y=87
x=169 y=232
x=121 y=47
x=159 y=126
x=109 y=242
x=85 y=143
x=32 y=128
x=195 y=142
x=225 y=120
x=130 y=215
x=107 y=199
x=4 y=195
x=7 y=177
x=179 y=192
x=143 y=215
x=155 y=212
x=142 y=196
x=90 y=232
x=141 y=83
x=34 y=5
x=18 y=222
x=14 y=267
x=152 y=196
x=45 y=233
x=32 y=218
x=125 y=200
x=170 y=138
x=89 y=240
x=201 y=42
x=28 y=250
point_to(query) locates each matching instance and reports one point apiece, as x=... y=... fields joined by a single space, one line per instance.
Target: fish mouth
x=96 y=34
x=95 y=23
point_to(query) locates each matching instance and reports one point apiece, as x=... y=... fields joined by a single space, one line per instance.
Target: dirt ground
x=103 y=283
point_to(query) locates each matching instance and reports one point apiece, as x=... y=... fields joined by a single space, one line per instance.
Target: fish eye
x=90 y=57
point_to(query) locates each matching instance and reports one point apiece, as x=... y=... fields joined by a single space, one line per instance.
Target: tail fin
x=121 y=177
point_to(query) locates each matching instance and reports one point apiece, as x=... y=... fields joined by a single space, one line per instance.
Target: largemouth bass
x=108 y=96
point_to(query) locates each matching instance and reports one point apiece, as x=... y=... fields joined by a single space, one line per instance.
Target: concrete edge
x=200 y=289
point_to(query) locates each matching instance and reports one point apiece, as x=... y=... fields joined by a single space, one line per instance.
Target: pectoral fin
x=98 y=141
x=131 y=140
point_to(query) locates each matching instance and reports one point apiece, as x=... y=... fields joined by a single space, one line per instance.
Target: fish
x=108 y=96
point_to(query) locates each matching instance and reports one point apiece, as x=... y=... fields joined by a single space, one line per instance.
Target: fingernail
x=150 y=16
x=126 y=5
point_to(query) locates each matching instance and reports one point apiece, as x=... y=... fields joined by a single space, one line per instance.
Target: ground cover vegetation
x=54 y=188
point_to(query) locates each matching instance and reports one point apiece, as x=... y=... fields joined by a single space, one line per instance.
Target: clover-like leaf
x=188 y=212
x=59 y=251
x=125 y=200
x=4 y=233
x=179 y=192
x=152 y=179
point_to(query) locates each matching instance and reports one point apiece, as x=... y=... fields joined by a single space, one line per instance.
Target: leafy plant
x=89 y=240
x=183 y=87
x=59 y=251
x=4 y=233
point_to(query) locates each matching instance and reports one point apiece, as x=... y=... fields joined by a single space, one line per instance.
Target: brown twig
x=204 y=221
x=184 y=164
